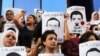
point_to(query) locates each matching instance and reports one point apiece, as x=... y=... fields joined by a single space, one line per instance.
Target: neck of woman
x=49 y=50
x=30 y=27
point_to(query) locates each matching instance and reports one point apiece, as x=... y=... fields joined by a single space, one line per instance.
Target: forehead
x=10 y=32
x=76 y=16
x=52 y=21
x=9 y=11
x=29 y=16
x=96 y=13
x=51 y=35
x=93 y=53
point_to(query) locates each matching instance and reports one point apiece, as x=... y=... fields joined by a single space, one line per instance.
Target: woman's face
x=51 y=41
x=91 y=38
x=9 y=39
x=30 y=20
x=96 y=16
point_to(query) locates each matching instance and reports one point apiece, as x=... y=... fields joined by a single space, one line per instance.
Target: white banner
x=54 y=21
x=77 y=19
x=50 y=54
x=13 y=51
x=90 y=48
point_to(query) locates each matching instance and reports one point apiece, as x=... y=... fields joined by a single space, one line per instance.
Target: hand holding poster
x=90 y=48
x=54 y=21
x=13 y=51
x=77 y=19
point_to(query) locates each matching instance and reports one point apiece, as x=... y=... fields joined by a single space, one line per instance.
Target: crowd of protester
x=30 y=35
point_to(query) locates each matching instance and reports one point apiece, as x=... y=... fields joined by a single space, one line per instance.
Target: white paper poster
x=15 y=10
x=38 y=14
x=50 y=54
x=13 y=51
x=77 y=19
x=90 y=48
x=54 y=21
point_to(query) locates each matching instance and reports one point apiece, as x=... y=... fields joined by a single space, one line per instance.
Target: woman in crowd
x=9 y=38
x=26 y=30
x=88 y=36
x=95 y=18
x=49 y=40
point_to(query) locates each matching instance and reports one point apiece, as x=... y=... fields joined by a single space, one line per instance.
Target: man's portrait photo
x=53 y=23
x=76 y=17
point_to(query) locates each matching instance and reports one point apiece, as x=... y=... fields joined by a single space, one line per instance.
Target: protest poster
x=54 y=21
x=90 y=48
x=13 y=51
x=16 y=11
x=38 y=13
x=77 y=19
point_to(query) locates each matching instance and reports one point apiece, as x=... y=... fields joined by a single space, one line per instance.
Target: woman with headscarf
x=9 y=38
x=95 y=18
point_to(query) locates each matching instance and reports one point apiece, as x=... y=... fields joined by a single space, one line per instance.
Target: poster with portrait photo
x=77 y=19
x=90 y=48
x=38 y=13
x=44 y=54
x=15 y=10
x=54 y=21
x=13 y=51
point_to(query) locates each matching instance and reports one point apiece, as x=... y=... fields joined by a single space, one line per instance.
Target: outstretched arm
x=16 y=19
x=66 y=30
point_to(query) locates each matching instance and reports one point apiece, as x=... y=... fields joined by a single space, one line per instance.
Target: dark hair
x=9 y=11
x=75 y=13
x=46 y=33
x=92 y=26
x=13 y=54
x=34 y=17
x=92 y=49
x=53 y=19
x=86 y=35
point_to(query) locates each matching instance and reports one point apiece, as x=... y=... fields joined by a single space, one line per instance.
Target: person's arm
x=19 y=15
x=34 y=51
x=66 y=30
x=16 y=20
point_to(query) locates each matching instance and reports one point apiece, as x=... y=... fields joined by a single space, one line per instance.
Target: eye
x=79 y=18
x=7 y=36
x=13 y=37
x=55 y=38
x=96 y=29
x=74 y=18
x=50 y=38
